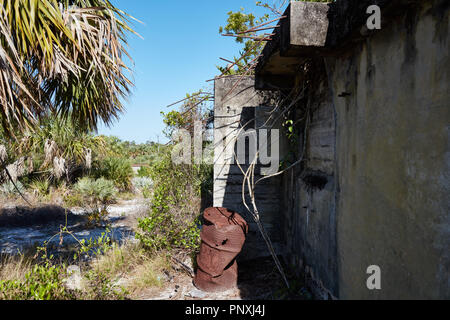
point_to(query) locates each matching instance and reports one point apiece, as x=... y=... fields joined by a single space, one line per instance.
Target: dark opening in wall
x=315 y=180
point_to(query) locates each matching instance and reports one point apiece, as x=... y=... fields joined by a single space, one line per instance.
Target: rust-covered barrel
x=223 y=236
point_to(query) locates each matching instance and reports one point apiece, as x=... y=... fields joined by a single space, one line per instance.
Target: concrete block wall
x=236 y=106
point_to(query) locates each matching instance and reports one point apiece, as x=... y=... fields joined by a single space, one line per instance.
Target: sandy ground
x=22 y=227
x=258 y=280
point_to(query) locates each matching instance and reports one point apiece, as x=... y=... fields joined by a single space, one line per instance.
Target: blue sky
x=179 y=52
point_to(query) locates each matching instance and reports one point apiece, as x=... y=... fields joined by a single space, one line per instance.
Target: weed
x=172 y=221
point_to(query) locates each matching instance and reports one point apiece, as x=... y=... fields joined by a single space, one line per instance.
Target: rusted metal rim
x=221 y=217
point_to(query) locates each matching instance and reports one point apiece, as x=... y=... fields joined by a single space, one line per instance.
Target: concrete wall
x=378 y=146
x=237 y=103
x=309 y=194
x=393 y=158
x=374 y=187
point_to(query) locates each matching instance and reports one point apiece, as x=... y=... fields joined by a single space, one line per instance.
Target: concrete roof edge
x=311 y=29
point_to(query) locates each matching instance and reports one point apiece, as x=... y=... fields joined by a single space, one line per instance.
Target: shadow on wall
x=267 y=193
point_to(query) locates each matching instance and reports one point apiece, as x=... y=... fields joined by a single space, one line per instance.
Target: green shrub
x=8 y=188
x=96 y=194
x=100 y=190
x=142 y=183
x=118 y=170
x=172 y=221
x=40 y=186
x=101 y=287
x=144 y=172
x=147 y=193
x=73 y=199
x=162 y=230
x=47 y=282
x=42 y=283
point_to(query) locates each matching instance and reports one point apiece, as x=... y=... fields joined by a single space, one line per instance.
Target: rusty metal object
x=223 y=236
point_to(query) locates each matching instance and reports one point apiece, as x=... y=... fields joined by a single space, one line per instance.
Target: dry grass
x=55 y=196
x=14 y=267
x=137 y=269
x=149 y=274
x=128 y=265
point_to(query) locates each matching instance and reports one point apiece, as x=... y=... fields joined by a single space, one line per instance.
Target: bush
x=142 y=183
x=172 y=221
x=144 y=172
x=97 y=194
x=40 y=186
x=42 y=283
x=8 y=188
x=117 y=170
x=73 y=199
x=162 y=230
x=48 y=282
x=101 y=287
x=100 y=190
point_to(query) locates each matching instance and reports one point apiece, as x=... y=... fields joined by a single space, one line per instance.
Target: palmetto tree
x=61 y=57
x=65 y=141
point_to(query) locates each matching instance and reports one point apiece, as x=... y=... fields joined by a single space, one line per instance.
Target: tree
x=195 y=108
x=240 y=23
x=245 y=27
x=61 y=57
x=69 y=143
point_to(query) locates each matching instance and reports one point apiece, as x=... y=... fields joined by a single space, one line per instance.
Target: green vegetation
x=41 y=283
x=97 y=195
x=41 y=279
x=240 y=22
x=144 y=153
x=143 y=185
x=172 y=222
x=63 y=71
x=61 y=57
x=172 y=219
x=40 y=186
x=243 y=24
x=117 y=170
x=9 y=189
x=170 y=226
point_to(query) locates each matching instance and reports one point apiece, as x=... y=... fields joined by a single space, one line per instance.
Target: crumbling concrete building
x=370 y=180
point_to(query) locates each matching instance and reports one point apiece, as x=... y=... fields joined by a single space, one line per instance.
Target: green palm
x=62 y=57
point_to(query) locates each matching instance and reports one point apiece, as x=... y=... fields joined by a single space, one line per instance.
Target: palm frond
x=64 y=57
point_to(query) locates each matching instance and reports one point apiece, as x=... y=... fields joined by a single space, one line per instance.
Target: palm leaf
x=63 y=57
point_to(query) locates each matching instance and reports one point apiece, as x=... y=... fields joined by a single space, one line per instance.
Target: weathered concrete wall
x=374 y=187
x=309 y=194
x=393 y=158
x=235 y=107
